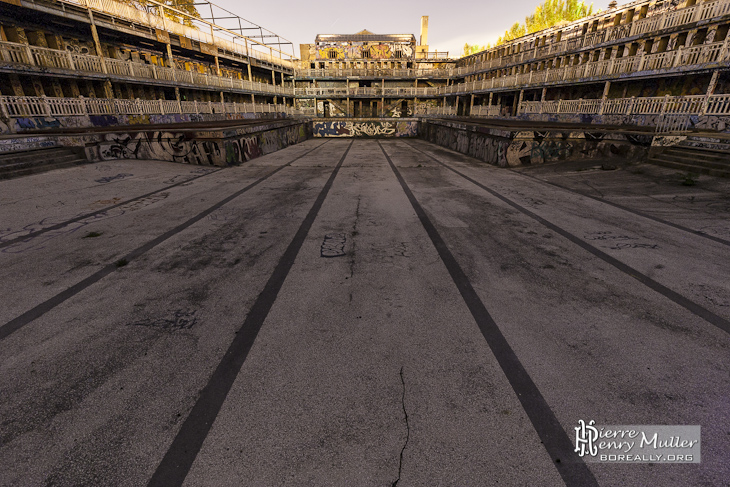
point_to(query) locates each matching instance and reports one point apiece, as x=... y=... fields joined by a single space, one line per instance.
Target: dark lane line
x=31 y=235
x=17 y=323
x=630 y=210
x=179 y=458
x=677 y=298
x=572 y=469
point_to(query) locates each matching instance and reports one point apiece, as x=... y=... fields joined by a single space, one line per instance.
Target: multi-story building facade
x=93 y=58
x=649 y=62
x=371 y=75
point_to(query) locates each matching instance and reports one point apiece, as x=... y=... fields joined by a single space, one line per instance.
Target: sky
x=451 y=23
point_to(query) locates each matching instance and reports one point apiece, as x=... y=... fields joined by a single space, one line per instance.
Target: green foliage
x=553 y=12
x=548 y=14
x=470 y=49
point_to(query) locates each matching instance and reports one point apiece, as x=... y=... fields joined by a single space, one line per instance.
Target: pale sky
x=451 y=22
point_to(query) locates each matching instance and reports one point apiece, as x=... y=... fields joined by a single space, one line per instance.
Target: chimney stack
x=423 y=41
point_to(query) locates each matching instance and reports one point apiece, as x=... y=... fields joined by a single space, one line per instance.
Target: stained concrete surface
x=369 y=368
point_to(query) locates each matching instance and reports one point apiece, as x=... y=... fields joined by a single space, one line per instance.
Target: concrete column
x=97 y=43
x=490 y=97
x=38 y=87
x=543 y=95
x=90 y=89
x=57 y=89
x=710 y=91
x=517 y=106
x=75 y=92
x=606 y=88
x=15 y=85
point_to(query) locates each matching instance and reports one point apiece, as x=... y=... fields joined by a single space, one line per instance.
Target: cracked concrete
x=408 y=429
x=88 y=396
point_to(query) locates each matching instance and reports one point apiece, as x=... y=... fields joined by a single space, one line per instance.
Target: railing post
x=631 y=105
x=677 y=57
x=29 y=53
x=3 y=108
x=46 y=106
x=70 y=60
x=82 y=102
x=162 y=107
x=154 y=71
x=664 y=105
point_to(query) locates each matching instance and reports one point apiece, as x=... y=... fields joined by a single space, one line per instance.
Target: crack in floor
x=408 y=429
x=354 y=234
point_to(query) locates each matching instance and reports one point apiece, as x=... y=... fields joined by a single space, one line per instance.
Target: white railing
x=30 y=106
x=486 y=111
x=657 y=105
x=374 y=72
x=673 y=123
x=665 y=20
x=447 y=111
x=123 y=10
x=53 y=58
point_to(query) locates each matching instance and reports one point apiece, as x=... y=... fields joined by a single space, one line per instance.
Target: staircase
x=16 y=164
x=714 y=162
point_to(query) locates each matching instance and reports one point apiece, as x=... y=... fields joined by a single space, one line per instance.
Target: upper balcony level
x=618 y=26
x=24 y=55
x=375 y=73
x=215 y=38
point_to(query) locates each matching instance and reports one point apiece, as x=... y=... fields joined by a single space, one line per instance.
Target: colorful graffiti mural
x=373 y=51
x=506 y=148
x=192 y=148
x=365 y=129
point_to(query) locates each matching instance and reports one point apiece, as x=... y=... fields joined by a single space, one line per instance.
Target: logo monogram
x=585 y=436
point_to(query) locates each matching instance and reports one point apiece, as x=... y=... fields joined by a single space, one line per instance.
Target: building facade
x=88 y=62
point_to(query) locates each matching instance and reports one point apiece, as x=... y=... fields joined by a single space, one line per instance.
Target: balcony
x=659 y=105
x=666 y=20
x=688 y=57
x=52 y=58
x=373 y=73
x=41 y=106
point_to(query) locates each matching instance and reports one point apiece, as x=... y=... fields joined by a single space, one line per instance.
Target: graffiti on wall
x=365 y=129
x=185 y=148
x=519 y=148
x=373 y=51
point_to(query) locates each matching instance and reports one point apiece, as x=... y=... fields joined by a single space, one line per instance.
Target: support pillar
x=606 y=89
x=97 y=42
x=710 y=91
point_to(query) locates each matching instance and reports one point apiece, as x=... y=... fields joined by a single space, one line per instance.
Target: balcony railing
x=126 y=11
x=53 y=58
x=683 y=57
x=40 y=106
x=658 y=105
x=486 y=111
x=339 y=92
x=666 y=20
x=373 y=73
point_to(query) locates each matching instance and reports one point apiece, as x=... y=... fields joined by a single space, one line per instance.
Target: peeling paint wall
x=216 y=148
x=511 y=148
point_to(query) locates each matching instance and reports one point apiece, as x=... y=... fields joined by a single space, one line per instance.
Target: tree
x=470 y=49
x=553 y=12
x=546 y=15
